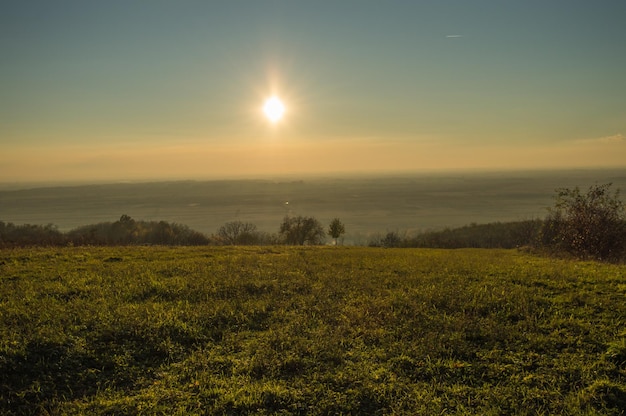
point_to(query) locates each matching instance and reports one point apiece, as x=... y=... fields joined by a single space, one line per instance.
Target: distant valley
x=367 y=205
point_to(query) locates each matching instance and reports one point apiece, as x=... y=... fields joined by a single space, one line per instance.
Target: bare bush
x=589 y=226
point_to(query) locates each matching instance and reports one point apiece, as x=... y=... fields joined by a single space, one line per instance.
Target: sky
x=140 y=90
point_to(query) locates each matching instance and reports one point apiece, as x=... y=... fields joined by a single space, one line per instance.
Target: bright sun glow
x=274 y=109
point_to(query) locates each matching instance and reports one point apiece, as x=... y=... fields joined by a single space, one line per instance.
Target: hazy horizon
x=367 y=204
x=317 y=176
x=117 y=91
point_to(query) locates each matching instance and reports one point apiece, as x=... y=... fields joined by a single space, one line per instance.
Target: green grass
x=315 y=330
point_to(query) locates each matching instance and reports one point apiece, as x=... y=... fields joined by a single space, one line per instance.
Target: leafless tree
x=238 y=233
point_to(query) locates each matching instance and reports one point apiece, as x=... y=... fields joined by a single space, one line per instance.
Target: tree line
x=125 y=231
x=492 y=235
x=589 y=225
x=300 y=230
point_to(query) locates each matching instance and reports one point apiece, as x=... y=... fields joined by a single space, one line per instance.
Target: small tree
x=301 y=230
x=589 y=226
x=336 y=229
x=238 y=233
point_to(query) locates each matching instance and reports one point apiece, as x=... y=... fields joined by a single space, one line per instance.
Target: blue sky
x=121 y=90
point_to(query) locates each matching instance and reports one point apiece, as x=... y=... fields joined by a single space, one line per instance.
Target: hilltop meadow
x=308 y=330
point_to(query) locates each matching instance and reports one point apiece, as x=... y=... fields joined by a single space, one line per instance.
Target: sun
x=274 y=109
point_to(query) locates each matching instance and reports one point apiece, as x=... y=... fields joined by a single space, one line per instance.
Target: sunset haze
x=144 y=90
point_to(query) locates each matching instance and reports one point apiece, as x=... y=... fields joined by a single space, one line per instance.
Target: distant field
x=367 y=205
x=314 y=330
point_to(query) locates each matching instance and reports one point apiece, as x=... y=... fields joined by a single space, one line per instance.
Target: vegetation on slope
x=589 y=226
x=313 y=330
x=125 y=231
x=493 y=235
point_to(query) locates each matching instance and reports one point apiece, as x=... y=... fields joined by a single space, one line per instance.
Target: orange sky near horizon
x=196 y=160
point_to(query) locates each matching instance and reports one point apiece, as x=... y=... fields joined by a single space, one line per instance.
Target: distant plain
x=366 y=204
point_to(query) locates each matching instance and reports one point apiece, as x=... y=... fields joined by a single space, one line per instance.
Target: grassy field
x=314 y=330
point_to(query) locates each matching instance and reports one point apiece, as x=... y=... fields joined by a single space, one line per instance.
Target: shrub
x=588 y=226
